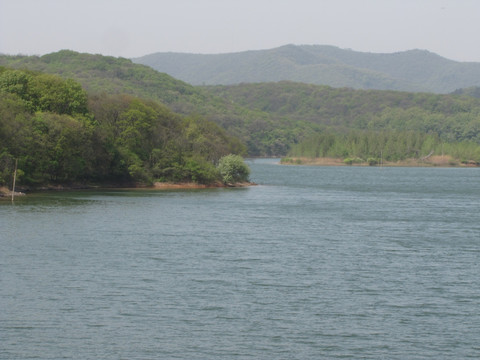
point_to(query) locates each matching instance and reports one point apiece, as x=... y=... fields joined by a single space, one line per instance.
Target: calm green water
x=315 y=262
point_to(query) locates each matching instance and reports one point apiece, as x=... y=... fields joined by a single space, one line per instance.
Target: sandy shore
x=166 y=186
x=6 y=193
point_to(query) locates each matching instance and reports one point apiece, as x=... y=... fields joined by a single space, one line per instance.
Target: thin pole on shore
x=14 y=179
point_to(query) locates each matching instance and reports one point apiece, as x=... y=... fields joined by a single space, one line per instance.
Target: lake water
x=315 y=262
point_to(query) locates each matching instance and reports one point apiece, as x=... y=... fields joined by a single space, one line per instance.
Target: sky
x=133 y=28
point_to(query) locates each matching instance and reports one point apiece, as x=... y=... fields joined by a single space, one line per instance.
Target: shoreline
x=192 y=185
x=6 y=193
x=433 y=161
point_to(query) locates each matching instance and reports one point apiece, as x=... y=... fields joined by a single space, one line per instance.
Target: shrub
x=233 y=169
x=348 y=161
x=200 y=171
x=372 y=161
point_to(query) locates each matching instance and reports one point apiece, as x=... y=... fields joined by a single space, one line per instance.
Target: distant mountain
x=414 y=70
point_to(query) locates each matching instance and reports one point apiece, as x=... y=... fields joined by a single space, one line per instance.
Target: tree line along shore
x=60 y=135
x=385 y=148
x=78 y=120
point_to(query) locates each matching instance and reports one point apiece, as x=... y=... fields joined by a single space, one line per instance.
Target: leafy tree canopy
x=390 y=145
x=269 y=118
x=233 y=169
x=60 y=135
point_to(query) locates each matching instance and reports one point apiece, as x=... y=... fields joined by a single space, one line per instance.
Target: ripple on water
x=313 y=263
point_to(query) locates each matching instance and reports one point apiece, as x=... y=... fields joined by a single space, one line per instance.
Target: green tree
x=233 y=169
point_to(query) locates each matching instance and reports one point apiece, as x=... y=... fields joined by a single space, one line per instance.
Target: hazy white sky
x=132 y=28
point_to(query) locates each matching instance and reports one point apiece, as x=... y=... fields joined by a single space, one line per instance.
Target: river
x=314 y=262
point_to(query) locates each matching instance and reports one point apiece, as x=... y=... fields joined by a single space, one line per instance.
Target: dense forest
x=99 y=74
x=93 y=118
x=363 y=124
x=377 y=147
x=453 y=118
x=62 y=135
x=269 y=117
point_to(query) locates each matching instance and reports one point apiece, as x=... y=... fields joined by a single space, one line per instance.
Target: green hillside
x=102 y=74
x=61 y=135
x=269 y=118
x=451 y=117
x=98 y=73
x=415 y=70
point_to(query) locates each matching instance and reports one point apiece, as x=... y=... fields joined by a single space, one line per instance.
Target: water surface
x=315 y=262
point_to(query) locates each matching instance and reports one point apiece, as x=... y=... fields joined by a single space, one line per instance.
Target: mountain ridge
x=412 y=70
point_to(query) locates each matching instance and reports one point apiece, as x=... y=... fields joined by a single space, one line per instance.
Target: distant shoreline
x=433 y=161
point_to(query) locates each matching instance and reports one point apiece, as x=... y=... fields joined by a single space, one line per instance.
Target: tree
x=233 y=169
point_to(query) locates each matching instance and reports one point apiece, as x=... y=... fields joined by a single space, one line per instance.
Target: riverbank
x=432 y=161
x=5 y=193
x=191 y=185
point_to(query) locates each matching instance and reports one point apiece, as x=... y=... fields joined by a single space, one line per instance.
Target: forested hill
x=106 y=74
x=414 y=70
x=452 y=117
x=263 y=134
x=269 y=117
x=61 y=135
